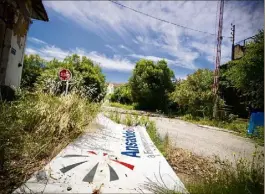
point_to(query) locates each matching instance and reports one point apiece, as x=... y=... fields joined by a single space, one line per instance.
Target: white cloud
x=135 y=41
x=30 y=51
x=50 y=52
x=102 y=17
x=153 y=58
x=111 y=48
x=115 y=63
x=183 y=77
x=169 y=61
x=36 y=41
x=126 y=48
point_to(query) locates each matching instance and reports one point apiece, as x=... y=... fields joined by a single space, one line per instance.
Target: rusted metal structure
x=218 y=58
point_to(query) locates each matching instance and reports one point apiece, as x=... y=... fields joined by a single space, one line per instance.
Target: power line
x=162 y=20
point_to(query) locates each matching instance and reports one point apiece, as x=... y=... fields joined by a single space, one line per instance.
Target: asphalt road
x=204 y=141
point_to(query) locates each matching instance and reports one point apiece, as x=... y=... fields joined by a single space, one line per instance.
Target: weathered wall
x=15 y=61
x=238 y=51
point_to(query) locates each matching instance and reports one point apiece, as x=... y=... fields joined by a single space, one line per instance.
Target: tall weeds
x=34 y=129
x=245 y=177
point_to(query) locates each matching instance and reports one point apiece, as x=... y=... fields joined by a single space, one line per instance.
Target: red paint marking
x=104 y=154
x=125 y=164
x=92 y=152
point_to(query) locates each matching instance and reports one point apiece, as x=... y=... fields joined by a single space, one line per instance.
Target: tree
x=87 y=78
x=32 y=67
x=246 y=75
x=194 y=95
x=122 y=94
x=151 y=83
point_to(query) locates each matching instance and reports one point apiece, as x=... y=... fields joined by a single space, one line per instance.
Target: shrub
x=194 y=95
x=151 y=83
x=188 y=117
x=122 y=94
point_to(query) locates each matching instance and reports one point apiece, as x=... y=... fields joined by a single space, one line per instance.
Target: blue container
x=256 y=119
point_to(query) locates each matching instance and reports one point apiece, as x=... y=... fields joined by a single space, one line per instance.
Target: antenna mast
x=218 y=60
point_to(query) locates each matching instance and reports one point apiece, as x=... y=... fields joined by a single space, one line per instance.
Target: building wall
x=5 y=41
x=238 y=51
x=110 y=89
x=15 y=57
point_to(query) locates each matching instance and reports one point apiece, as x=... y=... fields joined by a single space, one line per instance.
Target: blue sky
x=116 y=38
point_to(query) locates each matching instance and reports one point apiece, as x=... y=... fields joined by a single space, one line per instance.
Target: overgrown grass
x=247 y=177
x=34 y=129
x=124 y=106
x=204 y=176
x=115 y=116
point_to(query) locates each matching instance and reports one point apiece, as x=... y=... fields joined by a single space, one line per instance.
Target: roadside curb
x=218 y=129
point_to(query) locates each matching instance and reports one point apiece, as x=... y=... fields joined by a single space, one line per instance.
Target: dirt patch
x=188 y=166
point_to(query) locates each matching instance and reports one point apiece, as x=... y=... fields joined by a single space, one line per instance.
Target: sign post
x=65 y=75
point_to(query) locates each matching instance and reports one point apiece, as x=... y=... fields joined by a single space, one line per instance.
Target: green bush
x=194 y=95
x=33 y=65
x=34 y=128
x=151 y=84
x=188 y=117
x=122 y=94
x=246 y=74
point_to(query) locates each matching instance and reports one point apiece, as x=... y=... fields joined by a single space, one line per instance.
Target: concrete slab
x=114 y=159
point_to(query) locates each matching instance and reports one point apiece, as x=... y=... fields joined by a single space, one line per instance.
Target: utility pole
x=218 y=61
x=233 y=41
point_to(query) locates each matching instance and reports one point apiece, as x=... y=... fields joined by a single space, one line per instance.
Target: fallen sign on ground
x=113 y=159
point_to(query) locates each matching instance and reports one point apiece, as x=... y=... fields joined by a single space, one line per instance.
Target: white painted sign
x=114 y=159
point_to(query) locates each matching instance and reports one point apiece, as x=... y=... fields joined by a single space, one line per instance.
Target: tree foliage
x=122 y=94
x=246 y=75
x=32 y=67
x=151 y=83
x=194 y=95
x=87 y=78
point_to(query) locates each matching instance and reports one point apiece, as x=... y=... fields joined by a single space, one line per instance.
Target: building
x=15 y=19
x=110 y=88
x=240 y=48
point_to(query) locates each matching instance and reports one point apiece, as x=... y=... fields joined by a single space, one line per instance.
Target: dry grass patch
x=214 y=176
x=34 y=129
x=189 y=166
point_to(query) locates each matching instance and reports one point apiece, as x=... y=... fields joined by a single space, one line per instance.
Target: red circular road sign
x=65 y=75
